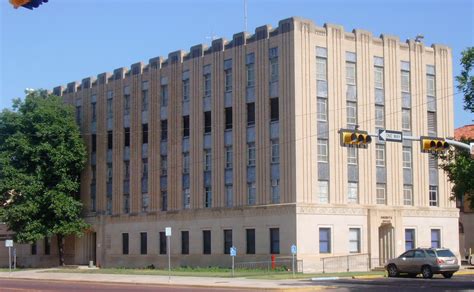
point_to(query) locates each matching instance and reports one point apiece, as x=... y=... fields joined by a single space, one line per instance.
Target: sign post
x=168 y=237
x=390 y=136
x=293 y=253
x=9 y=244
x=233 y=254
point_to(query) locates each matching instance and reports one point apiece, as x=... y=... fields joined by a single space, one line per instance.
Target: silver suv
x=427 y=261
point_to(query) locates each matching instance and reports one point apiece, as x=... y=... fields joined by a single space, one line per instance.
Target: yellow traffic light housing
x=18 y=3
x=433 y=144
x=351 y=138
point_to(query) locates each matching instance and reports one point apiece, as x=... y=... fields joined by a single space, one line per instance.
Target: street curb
x=464 y=273
x=326 y=278
x=368 y=277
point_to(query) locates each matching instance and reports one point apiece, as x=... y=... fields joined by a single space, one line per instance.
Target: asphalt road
x=18 y=285
x=438 y=283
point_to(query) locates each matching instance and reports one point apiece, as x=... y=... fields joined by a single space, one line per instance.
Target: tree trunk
x=60 y=239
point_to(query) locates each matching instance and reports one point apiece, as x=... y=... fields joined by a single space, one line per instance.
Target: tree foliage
x=466 y=79
x=41 y=158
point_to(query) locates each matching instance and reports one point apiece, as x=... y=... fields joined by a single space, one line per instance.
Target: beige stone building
x=237 y=144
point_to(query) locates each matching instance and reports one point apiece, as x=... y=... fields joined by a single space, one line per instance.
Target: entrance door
x=386 y=243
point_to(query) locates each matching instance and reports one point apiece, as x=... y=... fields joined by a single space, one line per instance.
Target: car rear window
x=431 y=253
x=444 y=253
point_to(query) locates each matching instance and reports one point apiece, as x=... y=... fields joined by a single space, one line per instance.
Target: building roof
x=466 y=131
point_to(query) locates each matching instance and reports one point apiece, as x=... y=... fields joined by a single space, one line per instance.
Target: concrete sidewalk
x=176 y=281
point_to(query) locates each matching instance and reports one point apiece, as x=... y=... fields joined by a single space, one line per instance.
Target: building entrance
x=386 y=243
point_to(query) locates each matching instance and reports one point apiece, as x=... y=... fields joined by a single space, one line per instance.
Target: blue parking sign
x=233 y=251
x=293 y=249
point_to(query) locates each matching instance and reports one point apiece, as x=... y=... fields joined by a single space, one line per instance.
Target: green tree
x=457 y=163
x=41 y=158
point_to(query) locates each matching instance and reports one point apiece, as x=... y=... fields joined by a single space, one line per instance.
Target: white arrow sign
x=389 y=135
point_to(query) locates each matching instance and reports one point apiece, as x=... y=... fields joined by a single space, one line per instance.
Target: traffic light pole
x=458 y=144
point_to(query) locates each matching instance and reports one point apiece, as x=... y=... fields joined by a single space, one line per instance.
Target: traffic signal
x=30 y=4
x=359 y=139
x=433 y=144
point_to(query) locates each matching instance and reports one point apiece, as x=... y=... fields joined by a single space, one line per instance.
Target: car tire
x=448 y=275
x=392 y=270
x=426 y=272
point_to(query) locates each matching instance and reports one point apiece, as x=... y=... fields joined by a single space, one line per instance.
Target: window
x=274 y=69
x=78 y=115
x=145 y=133
x=432 y=129
x=379 y=116
x=33 y=248
x=250 y=75
x=275 y=151
x=378 y=77
x=164 y=164
x=228 y=157
x=275 y=191
x=124 y=243
x=227 y=241
x=434 y=196
x=322 y=110
x=351 y=113
x=251 y=154
x=229 y=196
x=405 y=80
x=274 y=240
x=186 y=160
x=381 y=194
x=184 y=242
x=185 y=126
x=354 y=240
x=228 y=80
x=406 y=119
x=250 y=114
x=110 y=140
x=208 y=197
x=228 y=118
x=110 y=113
x=186 y=198
x=127 y=137
x=94 y=142
x=186 y=90
x=409 y=239
x=321 y=69
x=164 y=95
x=380 y=155
x=250 y=241
x=322 y=150
x=164 y=201
x=126 y=104
x=435 y=238
x=126 y=203
x=408 y=195
x=207 y=122
x=323 y=191
x=145 y=99
x=207 y=160
x=251 y=193
x=164 y=130
x=274 y=111
x=406 y=157
x=352 y=193
x=430 y=85
x=207 y=85
x=162 y=243
x=351 y=155
x=324 y=240
x=206 y=240
x=350 y=73
x=143 y=243
x=47 y=246
x=93 y=112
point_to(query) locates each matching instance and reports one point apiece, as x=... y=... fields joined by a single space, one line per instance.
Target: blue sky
x=66 y=40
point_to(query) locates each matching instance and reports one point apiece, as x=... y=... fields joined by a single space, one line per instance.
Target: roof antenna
x=245 y=15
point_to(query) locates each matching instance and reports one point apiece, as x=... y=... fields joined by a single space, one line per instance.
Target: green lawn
x=213 y=272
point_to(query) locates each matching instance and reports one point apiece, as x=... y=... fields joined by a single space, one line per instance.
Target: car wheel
x=427 y=272
x=392 y=270
x=448 y=275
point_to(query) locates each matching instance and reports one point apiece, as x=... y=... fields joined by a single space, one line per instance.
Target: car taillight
x=439 y=261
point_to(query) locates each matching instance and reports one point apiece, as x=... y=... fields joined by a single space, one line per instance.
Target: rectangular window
x=184 y=242
x=227 y=240
x=406 y=119
x=207 y=160
x=164 y=95
x=250 y=74
x=186 y=198
x=94 y=142
x=250 y=114
x=354 y=240
x=33 y=248
x=323 y=150
x=164 y=201
x=430 y=85
x=207 y=85
x=126 y=104
x=351 y=113
x=406 y=157
x=409 y=239
x=164 y=164
x=206 y=242
x=228 y=118
x=47 y=246
x=435 y=238
x=186 y=160
x=274 y=69
x=378 y=77
x=229 y=196
x=274 y=111
x=323 y=191
x=251 y=154
x=251 y=193
x=352 y=193
x=110 y=140
x=350 y=73
x=380 y=155
x=432 y=128
x=78 y=115
x=186 y=126
x=110 y=109
x=352 y=155
x=275 y=151
x=275 y=191
x=407 y=195
x=186 y=90
x=145 y=99
x=379 y=116
x=228 y=80
x=143 y=243
x=164 y=130
x=405 y=81
x=324 y=240
x=208 y=197
x=274 y=240
x=126 y=203
x=93 y=112
x=321 y=69
x=145 y=133
x=163 y=243
x=126 y=137
x=228 y=157
x=322 y=109
x=381 y=194
x=207 y=122
x=124 y=243
x=434 y=196
x=250 y=241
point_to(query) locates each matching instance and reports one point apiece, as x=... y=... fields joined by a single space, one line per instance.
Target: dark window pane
x=33 y=248
x=110 y=140
x=186 y=126
x=162 y=243
x=274 y=240
x=127 y=137
x=207 y=122
x=274 y=111
x=143 y=243
x=185 y=242
x=94 y=142
x=164 y=130
x=145 y=133
x=124 y=243
x=250 y=114
x=206 y=237
x=227 y=241
x=250 y=234
x=228 y=118
x=47 y=246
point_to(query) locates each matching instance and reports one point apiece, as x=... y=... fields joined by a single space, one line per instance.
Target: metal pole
x=293 y=264
x=232 y=267
x=169 y=259
x=10 y=259
x=14 y=258
x=458 y=144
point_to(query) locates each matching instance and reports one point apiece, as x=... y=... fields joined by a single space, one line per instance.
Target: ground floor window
x=227 y=241
x=435 y=238
x=162 y=243
x=124 y=243
x=250 y=239
x=324 y=240
x=409 y=239
x=143 y=243
x=206 y=244
x=274 y=240
x=354 y=240
x=184 y=242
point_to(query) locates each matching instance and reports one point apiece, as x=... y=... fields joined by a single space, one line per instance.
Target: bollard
x=91 y=264
x=273 y=262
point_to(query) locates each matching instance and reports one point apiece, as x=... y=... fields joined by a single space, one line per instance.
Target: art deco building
x=238 y=144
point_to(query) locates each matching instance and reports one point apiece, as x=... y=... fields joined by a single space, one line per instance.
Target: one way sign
x=389 y=135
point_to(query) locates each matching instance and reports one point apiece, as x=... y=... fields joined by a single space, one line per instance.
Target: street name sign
x=167 y=231
x=390 y=136
x=8 y=243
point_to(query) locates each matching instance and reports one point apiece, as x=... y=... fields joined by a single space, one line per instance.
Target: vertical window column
x=323 y=195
